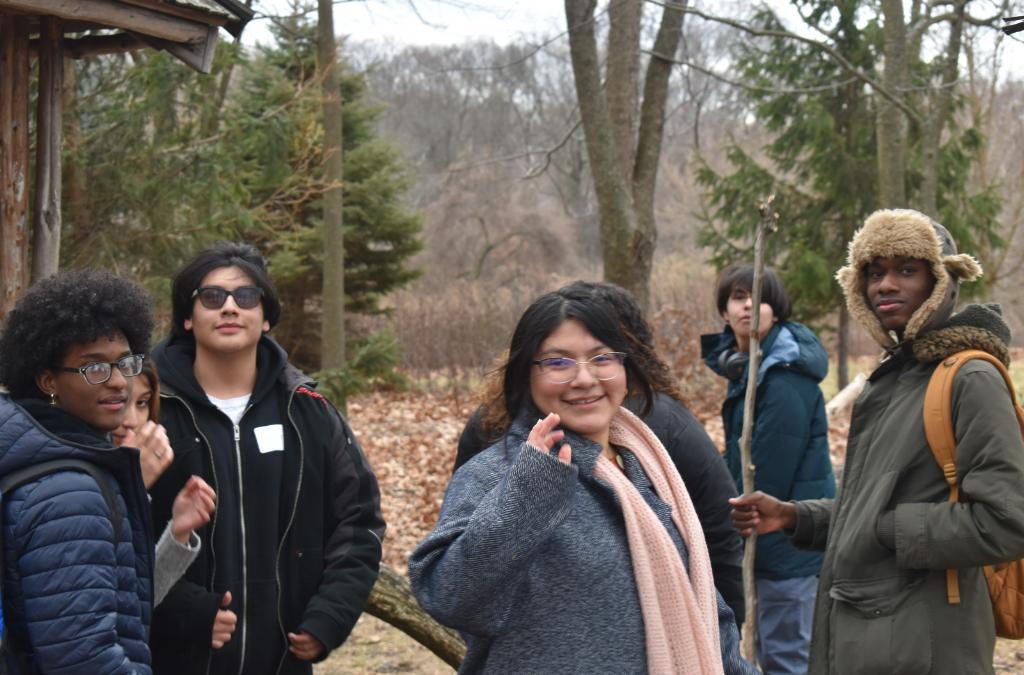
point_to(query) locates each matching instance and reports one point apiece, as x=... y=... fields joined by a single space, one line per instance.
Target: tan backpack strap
x=938 y=428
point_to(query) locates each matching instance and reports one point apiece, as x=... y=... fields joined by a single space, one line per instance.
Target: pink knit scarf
x=680 y=610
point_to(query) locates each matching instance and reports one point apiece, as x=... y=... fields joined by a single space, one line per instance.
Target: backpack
x=14 y=659
x=1005 y=580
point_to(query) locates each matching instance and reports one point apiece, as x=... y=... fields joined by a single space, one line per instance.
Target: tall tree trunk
x=939 y=114
x=649 y=141
x=891 y=123
x=79 y=220
x=46 y=218
x=616 y=216
x=332 y=339
x=14 y=77
x=625 y=192
x=622 y=86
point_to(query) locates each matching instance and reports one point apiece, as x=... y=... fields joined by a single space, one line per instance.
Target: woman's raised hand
x=544 y=435
x=155 y=453
x=193 y=508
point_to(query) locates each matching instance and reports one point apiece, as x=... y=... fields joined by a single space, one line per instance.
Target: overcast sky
x=409 y=22
x=432 y=21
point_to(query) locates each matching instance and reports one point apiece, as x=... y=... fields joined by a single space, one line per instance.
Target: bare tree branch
x=532 y=173
x=297 y=15
x=548 y=154
x=753 y=87
x=919 y=29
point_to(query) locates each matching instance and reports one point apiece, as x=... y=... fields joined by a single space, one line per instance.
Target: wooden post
x=14 y=76
x=46 y=218
x=768 y=224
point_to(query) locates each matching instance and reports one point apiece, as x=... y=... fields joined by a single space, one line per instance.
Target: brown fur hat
x=904 y=233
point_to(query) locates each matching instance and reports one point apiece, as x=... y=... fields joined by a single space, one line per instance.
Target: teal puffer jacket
x=790 y=438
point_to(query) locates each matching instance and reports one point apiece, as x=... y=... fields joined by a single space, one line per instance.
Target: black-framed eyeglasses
x=99 y=372
x=560 y=370
x=214 y=297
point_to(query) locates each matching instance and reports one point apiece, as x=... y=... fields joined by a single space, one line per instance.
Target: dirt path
x=376 y=647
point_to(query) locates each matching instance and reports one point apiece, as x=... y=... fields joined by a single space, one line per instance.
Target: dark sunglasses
x=214 y=297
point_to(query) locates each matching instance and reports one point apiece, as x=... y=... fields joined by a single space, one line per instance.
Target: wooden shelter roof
x=188 y=29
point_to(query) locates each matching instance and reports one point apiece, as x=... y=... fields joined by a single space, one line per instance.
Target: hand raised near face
x=544 y=435
x=155 y=453
x=193 y=508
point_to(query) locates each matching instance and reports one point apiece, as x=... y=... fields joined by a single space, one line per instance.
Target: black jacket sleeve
x=186 y=615
x=710 y=486
x=353 y=543
x=472 y=440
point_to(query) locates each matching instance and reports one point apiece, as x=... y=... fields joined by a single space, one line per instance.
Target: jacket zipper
x=284 y=536
x=287 y=529
x=241 y=518
x=216 y=488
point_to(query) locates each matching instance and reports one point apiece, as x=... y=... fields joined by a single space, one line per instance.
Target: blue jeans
x=785 y=610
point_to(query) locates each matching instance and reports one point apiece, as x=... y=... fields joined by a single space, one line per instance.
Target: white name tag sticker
x=270 y=438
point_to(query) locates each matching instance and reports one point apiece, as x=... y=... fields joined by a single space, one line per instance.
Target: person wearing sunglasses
x=294 y=547
x=77 y=544
x=571 y=544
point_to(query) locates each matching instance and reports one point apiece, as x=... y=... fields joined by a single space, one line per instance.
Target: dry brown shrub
x=682 y=293
x=459 y=329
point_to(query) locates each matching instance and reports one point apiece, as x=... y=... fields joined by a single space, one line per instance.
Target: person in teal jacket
x=789 y=449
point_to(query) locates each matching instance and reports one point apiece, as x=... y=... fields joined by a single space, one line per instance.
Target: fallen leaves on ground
x=410 y=439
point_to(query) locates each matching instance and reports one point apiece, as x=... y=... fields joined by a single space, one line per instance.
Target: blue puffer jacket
x=790 y=438
x=72 y=602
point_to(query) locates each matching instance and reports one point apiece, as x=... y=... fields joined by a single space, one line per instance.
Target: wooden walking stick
x=768 y=224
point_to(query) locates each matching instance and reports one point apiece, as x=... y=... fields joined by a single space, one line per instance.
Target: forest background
x=468 y=185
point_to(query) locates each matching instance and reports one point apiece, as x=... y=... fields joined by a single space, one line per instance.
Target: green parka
x=890 y=535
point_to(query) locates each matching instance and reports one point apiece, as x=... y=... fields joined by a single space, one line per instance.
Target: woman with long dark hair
x=693 y=453
x=571 y=544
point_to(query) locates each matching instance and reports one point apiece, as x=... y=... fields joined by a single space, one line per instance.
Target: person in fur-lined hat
x=890 y=535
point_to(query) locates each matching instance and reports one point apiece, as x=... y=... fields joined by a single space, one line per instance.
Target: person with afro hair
x=77 y=575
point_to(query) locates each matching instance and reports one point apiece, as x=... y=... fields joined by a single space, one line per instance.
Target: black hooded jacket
x=296 y=537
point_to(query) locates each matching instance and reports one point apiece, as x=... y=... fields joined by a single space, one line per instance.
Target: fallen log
x=392 y=601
